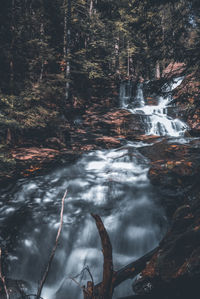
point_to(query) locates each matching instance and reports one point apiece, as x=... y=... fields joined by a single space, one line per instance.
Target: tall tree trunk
x=42 y=52
x=91 y=8
x=12 y=47
x=116 y=67
x=157 y=73
x=128 y=61
x=67 y=46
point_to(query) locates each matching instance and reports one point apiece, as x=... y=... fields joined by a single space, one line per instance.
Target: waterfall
x=140 y=95
x=125 y=94
x=156 y=118
x=113 y=183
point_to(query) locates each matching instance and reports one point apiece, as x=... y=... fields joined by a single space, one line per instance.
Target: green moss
x=16 y=112
x=7 y=163
x=8 y=122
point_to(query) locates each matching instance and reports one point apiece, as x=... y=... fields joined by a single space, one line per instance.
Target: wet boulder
x=29 y=161
x=174 y=69
x=174 y=165
x=174 y=270
x=117 y=123
x=174 y=170
x=187 y=97
x=151 y=101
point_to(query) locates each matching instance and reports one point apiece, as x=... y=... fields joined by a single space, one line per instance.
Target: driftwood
x=105 y=289
x=111 y=278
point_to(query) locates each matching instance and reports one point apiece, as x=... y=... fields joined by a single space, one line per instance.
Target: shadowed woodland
x=100 y=98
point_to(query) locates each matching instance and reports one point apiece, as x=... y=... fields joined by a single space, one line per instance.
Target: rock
x=174 y=270
x=108 y=128
x=182 y=212
x=118 y=122
x=99 y=128
x=174 y=171
x=34 y=154
x=187 y=97
x=24 y=161
x=151 y=101
x=54 y=143
x=173 y=164
x=174 y=69
x=108 y=142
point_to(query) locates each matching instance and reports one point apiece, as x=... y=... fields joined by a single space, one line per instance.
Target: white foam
x=157 y=121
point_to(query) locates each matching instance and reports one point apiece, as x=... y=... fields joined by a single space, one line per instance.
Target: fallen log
x=111 y=279
x=134 y=268
x=105 y=289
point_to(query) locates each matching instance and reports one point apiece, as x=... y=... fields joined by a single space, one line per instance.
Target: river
x=111 y=183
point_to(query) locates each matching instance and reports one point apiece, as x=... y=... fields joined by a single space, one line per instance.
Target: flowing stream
x=156 y=117
x=111 y=183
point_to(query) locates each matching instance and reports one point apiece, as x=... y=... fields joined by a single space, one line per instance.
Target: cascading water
x=140 y=95
x=125 y=93
x=111 y=183
x=156 y=119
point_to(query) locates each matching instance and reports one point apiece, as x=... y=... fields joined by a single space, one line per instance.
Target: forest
x=99 y=124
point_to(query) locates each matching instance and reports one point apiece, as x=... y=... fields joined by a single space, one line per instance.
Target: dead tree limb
x=106 y=289
x=3 y=278
x=111 y=279
x=132 y=269
x=43 y=280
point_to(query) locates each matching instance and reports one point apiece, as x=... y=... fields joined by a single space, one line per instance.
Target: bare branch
x=89 y=272
x=111 y=279
x=54 y=249
x=3 y=278
x=82 y=273
x=76 y=282
x=83 y=287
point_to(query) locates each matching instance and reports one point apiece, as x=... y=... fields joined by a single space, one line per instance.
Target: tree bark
x=128 y=61
x=67 y=46
x=12 y=47
x=42 y=52
x=91 y=8
x=111 y=279
x=117 y=55
x=106 y=287
x=157 y=75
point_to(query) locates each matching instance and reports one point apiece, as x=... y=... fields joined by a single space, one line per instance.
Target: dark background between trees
x=54 y=54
